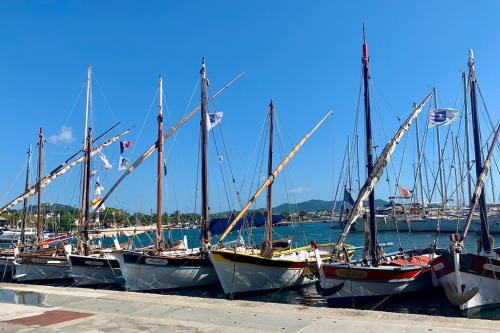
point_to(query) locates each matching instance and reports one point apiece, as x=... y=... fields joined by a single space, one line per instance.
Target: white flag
x=105 y=161
x=440 y=117
x=213 y=119
x=98 y=187
x=123 y=163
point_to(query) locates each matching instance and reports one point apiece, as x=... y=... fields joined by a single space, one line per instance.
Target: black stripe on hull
x=131 y=257
x=94 y=262
x=261 y=261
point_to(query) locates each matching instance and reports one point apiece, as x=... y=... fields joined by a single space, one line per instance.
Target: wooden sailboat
x=165 y=268
x=378 y=274
x=471 y=281
x=37 y=263
x=89 y=267
x=241 y=269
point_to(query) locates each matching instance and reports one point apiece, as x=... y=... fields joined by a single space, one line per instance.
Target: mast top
x=160 y=88
x=365 y=46
x=202 y=71
x=271 y=103
x=471 y=65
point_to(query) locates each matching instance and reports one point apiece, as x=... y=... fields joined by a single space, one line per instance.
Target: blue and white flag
x=440 y=117
x=213 y=119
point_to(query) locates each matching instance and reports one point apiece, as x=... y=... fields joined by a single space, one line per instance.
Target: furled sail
x=479 y=185
x=60 y=170
x=270 y=179
x=378 y=169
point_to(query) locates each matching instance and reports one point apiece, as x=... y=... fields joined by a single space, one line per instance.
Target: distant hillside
x=316 y=205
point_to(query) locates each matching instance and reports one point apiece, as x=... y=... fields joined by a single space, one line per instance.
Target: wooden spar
x=267 y=245
x=369 y=153
x=204 y=123
x=479 y=186
x=60 y=170
x=478 y=153
x=39 y=231
x=169 y=133
x=378 y=169
x=271 y=178
x=25 y=201
x=159 y=171
x=467 y=144
x=440 y=159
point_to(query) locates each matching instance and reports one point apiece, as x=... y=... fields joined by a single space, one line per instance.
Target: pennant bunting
x=105 y=161
x=124 y=145
x=213 y=119
x=123 y=163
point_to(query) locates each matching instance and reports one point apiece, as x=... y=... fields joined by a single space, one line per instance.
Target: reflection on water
x=23 y=297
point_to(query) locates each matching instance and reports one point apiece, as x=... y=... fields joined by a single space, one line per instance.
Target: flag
x=123 y=163
x=98 y=187
x=93 y=173
x=124 y=145
x=347 y=197
x=405 y=193
x=213 y=119
x=95 y=202
x=105 y=161
x=442 y=117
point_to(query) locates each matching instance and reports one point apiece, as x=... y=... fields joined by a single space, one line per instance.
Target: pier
x=68 y=309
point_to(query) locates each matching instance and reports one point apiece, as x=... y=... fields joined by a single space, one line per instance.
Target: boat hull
x=242 y=273
x=42 y=268
x=341 y=283
x=479 y=277
x=144 y=272
x=91 y=271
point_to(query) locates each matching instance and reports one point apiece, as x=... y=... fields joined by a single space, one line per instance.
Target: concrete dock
x=66 y=309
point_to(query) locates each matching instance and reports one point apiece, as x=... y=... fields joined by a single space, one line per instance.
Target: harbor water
x=431 y=302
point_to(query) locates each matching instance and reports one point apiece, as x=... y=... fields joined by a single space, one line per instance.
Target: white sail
x=378 y=169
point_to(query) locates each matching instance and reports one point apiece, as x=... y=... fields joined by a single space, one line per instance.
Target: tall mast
x=369 y=152
x=86 y=198
x=205 y=237
x=82 y=222
x=467 y=148
x=440 y=164
x=267 y=247
x=87 y=103
x=25 y=201
x=159 y=171
x=39 y=232
x=477 y=153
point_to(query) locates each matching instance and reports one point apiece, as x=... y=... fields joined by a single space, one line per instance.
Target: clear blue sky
x=303 y=54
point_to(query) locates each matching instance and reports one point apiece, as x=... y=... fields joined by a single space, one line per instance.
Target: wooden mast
x=267 y=246
x=82 y=222
x=467 y=144
x=39 y=231
x=86 y=198
x=485 y=240
x=25 y=201
x=271 y=178
x=159 y=171
x=369 y=152
x=204 y=236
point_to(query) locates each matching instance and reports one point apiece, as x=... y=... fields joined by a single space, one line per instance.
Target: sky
x=305 y=55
